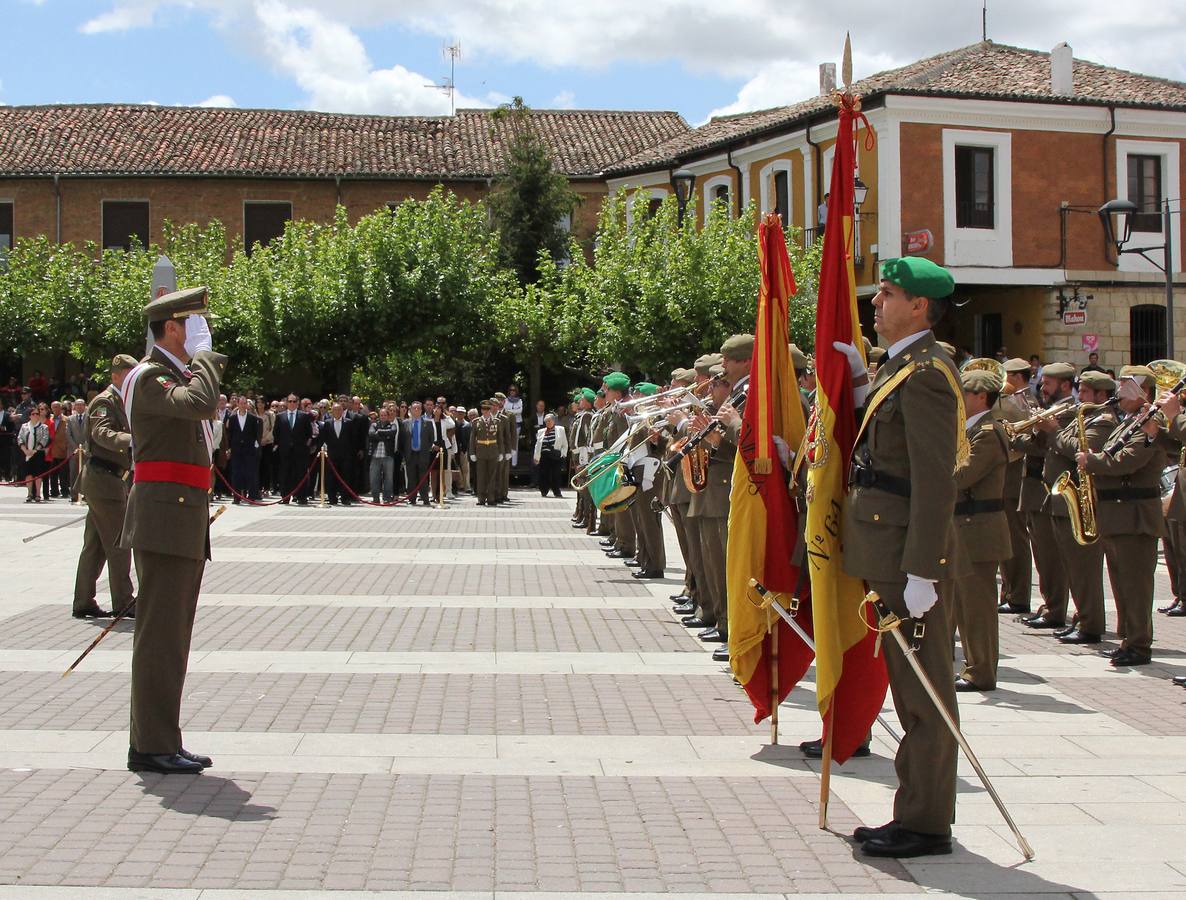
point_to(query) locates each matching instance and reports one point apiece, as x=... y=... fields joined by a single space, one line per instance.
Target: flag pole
x=772 y=630
x=825 y=772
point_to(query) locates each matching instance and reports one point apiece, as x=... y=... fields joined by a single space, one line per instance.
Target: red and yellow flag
x=763 y=522
x=850 y=681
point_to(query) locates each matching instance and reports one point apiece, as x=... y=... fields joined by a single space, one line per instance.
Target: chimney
x=1062 y=80
x=827 y=79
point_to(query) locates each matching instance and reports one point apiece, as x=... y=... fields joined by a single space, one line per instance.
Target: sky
x=698 y=57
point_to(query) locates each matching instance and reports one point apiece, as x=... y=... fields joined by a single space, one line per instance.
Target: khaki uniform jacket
x=109 y=439
x=713 y=501
x=486 y=440
x=1137 y=466
x=509 y=433
x=166 y=415
x=1008 y=409
x=1039 y=472
x=912 y=436
x=1065 y=444
x=981 y=479
x=1175 y=443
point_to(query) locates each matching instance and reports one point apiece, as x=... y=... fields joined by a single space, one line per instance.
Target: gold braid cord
x=962 y=448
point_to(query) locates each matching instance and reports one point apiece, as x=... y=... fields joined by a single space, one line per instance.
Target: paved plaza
x=475 y=703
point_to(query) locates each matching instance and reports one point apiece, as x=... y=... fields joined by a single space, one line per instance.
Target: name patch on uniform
x=165 y=381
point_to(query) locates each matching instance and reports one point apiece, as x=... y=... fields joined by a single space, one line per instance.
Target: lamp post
x=1116 y=216
x=682 y=182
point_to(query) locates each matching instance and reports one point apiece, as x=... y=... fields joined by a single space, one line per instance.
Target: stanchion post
x=76 y=484
x=323 y=503
x=441 y=477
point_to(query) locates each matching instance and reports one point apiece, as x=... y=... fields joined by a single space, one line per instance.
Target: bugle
x=1025 y=425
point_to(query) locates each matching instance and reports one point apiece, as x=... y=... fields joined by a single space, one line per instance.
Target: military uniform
x=487 y=448
x=167 y=527
x=598 y=436
x=104 y=482
x=1175 y=541
x=899 y=520
x=509 y=437
x=647 y=521
x=1017 y=572
x=984 y=534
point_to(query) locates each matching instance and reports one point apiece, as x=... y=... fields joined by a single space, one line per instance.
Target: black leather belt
x=1129 y=493
x=1033 y=466
x=975 y=507
x=870 y=478
x=110 y=468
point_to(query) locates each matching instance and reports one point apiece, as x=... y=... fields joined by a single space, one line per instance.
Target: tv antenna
x=451 y=52
x=984 y=21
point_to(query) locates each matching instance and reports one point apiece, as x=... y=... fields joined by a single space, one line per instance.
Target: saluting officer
x=170 y=399
x=104 y=477
x=899 y=535
x=983 y=531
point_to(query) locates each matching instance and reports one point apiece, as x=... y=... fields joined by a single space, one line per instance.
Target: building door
x=1146 y=330
x=989 y=334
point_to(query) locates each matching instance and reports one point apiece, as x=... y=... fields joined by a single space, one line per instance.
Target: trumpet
x=652 y=399
x=652 y=415
x=1015 y=428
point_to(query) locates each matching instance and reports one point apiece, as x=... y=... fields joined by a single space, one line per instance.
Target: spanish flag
x=850 y=681
x=763 y=522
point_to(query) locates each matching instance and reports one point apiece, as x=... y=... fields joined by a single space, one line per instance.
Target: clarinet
x=672 y=462
x=1116 y=445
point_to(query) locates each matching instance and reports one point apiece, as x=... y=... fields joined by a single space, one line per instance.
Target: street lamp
x=682 y=181
x=859 y=192
x=1116 y=216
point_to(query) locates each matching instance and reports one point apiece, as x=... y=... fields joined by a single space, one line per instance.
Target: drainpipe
x=338 y=190
x=740 y=181
x=817 y=164
x=57 y=209
x=1104 y=172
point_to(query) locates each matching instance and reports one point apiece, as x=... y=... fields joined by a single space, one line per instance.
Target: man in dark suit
x=337 y=436
x=293 y=435
x=416 y=444
x=244 y=430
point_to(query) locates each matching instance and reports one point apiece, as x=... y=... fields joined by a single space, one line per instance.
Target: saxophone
x=1080 y=495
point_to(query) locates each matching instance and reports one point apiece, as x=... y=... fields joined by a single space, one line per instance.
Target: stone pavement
x=476 y=703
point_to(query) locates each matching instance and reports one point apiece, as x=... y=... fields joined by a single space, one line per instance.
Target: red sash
x=174 y=473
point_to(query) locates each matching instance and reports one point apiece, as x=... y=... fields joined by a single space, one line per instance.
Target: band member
x=107 y=443
x=644 y=461
x=169 y=400
x=615 y=385
x=1017 y=572
x=899 y=536
x=1130 y=517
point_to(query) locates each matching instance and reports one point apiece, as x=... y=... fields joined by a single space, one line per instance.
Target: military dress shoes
x=1006 y=607
x=128 y=612
x=632 y=562
x=815 y=750
x=1078 y=637
x=721 y=654
x=606 y=543
x=685 y=609
x=93 y=613
x=712 y=636
x=963 y=686
x=1176 y=605
x=681 y=597
x=165 y=763
x=864 y=833
x=1042 y=621
x=1176 y=611
x=695 y=622
x=1128 y=657
x=616 y=554
x=654 y=573
x=900 y=843
x=1180 y=680
x=204 y=761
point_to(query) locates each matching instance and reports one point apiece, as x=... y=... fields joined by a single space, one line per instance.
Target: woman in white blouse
x=551 y=450
x=33 y=438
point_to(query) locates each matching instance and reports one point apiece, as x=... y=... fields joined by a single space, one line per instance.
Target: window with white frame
x=977 y=198
x=718 y=191
x=775 y=178
x=1144 y=189
x=1147 y=172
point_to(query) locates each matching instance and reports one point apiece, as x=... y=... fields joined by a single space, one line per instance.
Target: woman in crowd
x=551 y=450
x=33 y=438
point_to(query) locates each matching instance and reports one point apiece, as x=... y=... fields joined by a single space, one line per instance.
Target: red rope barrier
x=288 y=496
x=395 y=502
x=28 y=478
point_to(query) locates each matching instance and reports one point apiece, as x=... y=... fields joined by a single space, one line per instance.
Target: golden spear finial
x=846 y=65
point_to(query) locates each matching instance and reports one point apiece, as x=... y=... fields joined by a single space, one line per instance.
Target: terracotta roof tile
x=983 y=70
x=165 y=140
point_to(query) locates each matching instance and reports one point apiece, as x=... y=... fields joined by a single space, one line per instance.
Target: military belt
x=869 y=478
x=105 y=466
x=975 y=507
x=1128 y=493
x=486 y=443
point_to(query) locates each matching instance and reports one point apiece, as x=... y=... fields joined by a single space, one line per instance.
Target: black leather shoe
x=721 y=654
x=644 y=574
x=616 y=554
x=695 y=622
x=165 y=763
x=632 y=562
x=1078 y=637
x=1063 y=632
x=1131 y=658
x=1004 y=608
x=1176 y=612
x=681 y=597
x=1109 y=654
x=1177 y=604
x=712 y=636
x=93 y=613
x=578 y=524
x=963 y=686
x=204 y=761
x=1180 y=680
x=815 y=750
x=900 y=843
x=1041 y=621
x=864 y=833
x=606 y=543
x=685 y=609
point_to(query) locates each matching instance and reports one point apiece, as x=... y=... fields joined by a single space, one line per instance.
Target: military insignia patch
x=165 y=381
x=101 y=411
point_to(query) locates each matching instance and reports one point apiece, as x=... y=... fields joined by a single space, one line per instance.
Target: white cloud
x=219 y=100
x=122 y=17
x=564 y=100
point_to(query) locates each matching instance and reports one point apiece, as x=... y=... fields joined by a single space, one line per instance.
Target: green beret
x=739 y=347
x=599 y=393
x=1101 y=381
x=123 y=362
x=703 y=365
x=918 y=276
x=1059 y=370
x=800 y=360
x=587 y=394
x=646 y=388
x=178 y=305
x=1143 y=372
x=947 y=348
x=980 y=381
x=1016 y=364
x=616 y=381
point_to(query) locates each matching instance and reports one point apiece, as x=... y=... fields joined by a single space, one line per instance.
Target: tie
x=292 y=420
x=416 y=435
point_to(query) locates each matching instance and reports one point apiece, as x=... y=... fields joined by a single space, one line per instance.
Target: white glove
x=856 y=365
x=197 y=335
x=473 y=458
x=920 y=595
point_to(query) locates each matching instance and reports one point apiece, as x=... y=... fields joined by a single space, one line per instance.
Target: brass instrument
x=625 y=443
x=1080 y=495
x=1169 y=375
x=1015 y=428
x=987 y=364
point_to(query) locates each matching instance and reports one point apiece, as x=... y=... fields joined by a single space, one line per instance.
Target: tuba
x=1080 y=495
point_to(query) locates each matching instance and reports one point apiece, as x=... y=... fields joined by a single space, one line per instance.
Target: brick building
x=991 y=160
